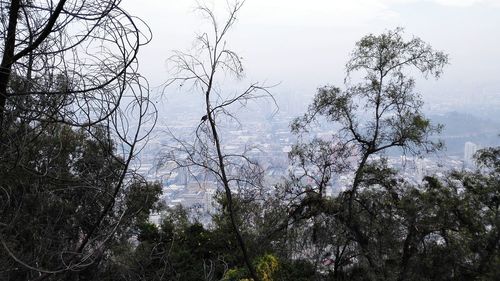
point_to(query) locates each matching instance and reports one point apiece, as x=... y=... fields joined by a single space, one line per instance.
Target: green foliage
x=381 y=110
x=269 y=268
x=180 y=249
x=266 y=267
x=56 y=183
x=390 y=51
x=235 y=274
x=445 y=229
x=298 y=270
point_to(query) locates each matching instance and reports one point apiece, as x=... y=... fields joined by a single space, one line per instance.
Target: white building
x=470 y=149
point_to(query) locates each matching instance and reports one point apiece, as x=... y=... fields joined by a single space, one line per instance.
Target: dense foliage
x=445 y=229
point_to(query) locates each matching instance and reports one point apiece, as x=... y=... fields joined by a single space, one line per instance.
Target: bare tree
x=81 y=50
x=202 y=69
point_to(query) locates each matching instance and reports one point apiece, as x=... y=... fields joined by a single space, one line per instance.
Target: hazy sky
x=305 y=44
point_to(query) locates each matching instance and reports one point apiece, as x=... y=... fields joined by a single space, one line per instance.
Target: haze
x=304 y=46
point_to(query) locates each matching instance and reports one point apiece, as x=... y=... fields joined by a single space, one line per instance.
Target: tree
x=178 y=249
x=83 y=51
x=73 y=113
x=379 y=113
x=212 y=58
x=383 y=111
x=61 y=205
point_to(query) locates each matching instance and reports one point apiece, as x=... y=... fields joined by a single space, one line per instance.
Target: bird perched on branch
x=204 y=118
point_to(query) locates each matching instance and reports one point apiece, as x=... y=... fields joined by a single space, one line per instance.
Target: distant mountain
x=462 y=127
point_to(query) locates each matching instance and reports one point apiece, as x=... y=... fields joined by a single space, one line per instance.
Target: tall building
x=420 y=171
x=470 y=149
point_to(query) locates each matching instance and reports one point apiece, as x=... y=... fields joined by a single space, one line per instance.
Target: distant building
x=470 y=149
x=420 y=169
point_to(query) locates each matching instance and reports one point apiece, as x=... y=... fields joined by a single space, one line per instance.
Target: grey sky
x=305 y=44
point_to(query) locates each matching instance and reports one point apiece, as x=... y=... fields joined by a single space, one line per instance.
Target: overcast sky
x=305 y=44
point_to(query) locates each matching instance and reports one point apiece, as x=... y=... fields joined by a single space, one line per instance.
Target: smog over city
x=250 y=140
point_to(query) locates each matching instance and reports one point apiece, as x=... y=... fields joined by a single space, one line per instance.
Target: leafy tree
x=178 y=249
x=376 y=114
x=53 y=195
x=443 y=229
x=382 y=111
